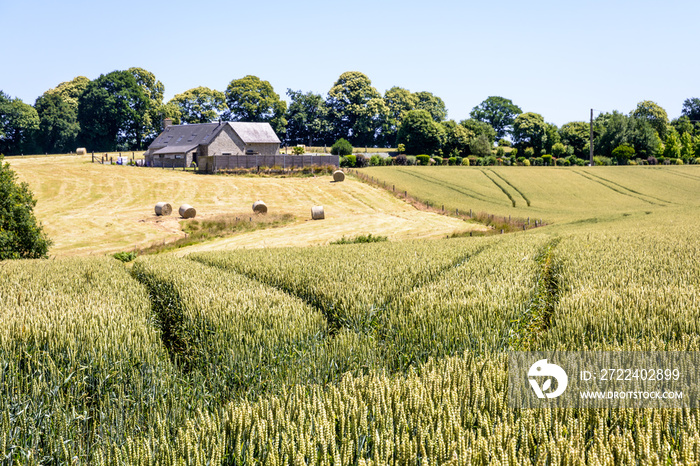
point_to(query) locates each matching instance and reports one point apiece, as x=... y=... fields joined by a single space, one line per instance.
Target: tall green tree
x=530 y=130
x=252 y=99
x=576 y=134
x=691 y=109
x=654 y=114
x=113 y=113
x=307 y=119
x=58 y=125
x=552 y=137
x=70 y=91
x=478 y=128
x=399 y=102
x=687 y=146
x=348 y=108
x=456 y=139
x=18 y=125
x=683 y=125
x=420 y=133
x=21 y=236
x=200 y=105
x=618 y=129
x=672 y=146
x=432 y=104
x=498 y=112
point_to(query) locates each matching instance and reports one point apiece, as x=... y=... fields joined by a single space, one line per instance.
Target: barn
x=180 y=145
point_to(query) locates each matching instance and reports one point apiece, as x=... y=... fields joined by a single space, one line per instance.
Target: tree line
x=124 y=110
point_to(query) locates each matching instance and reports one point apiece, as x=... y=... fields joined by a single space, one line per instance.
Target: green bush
x=376 y=161
x=458 y=160
x=489 y=161
x=299 y=150
x=465 y=161
x=504 y=143
x=526 y=163
x=623 y=153
x=125 y=256
x=411 y=160
x=452 y=161
x=21 y=236
x=514 y=153
x=529 y=152
x=341 y=147
x=401 y=148
x=697 y=161
x=473 y=160
x=521 y=159
x=678 y=161
x=500 y=152
x=438 y=160
x=348 y=161
x=423 y=159
x=537 y=161
x=546 y=159
x=600 y=160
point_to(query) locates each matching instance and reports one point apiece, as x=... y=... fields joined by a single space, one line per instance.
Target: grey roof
x=255 y=133
x=180 y=139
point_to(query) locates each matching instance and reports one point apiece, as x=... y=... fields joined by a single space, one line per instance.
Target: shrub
x=504 y=143
x=458 y=160
x=376 y=161
x=661 y=160
x=600 y=160
x=678 y=161
x=299 y=150
x=348 y=161
x=423 y=159
x=125 y=256
x=452 y=161
x=489 y=161
x=652 y=160
x=341 y=147
x=401 y=148
x=21 y=236
x=560 y=162
x=473 y=160
x=521 y=159
x=537 y=161
x=360 y=161
x=411 y=160
x=465 y=161
x=623 y=153
x=546 y=159
x=697 y=161
x=400 y=160
x=500 y=152
x=633 y=162
x=526 y=163
x=529 y=152
x=514 y=152
x=438 y=160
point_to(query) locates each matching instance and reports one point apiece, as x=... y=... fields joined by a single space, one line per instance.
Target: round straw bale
x=338 y=176
x=187 y=211
x=163 y=208
x=259 y=207
x=317 y=212
x=81 y=151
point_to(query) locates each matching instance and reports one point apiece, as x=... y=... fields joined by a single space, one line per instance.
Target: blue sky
x=557 y=58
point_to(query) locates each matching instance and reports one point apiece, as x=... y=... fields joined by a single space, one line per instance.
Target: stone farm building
x=180 y=145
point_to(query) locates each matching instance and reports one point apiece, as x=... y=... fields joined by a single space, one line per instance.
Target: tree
x=683 y=125
x=456 y=139
x=672 y=146
x=58 y=125
x=70 y=91
x=18 y=125
x=498 y=112
x=20 y=235
x=420 y=133
x=433 y=104
x=480 y=146
x=618 y=129
x=252 y=99
x=530 y=130
x=200 y=105
x=691 y=109
x=687 y=146
x=348 y=108
x=551 y=134
x=307 y=118
x=477 y=128
x=153 y=89
x=399 y=102
x=654 y=114
x=576 y=134
x=113 y=113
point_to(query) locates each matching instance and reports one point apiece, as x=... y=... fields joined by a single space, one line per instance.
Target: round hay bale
x=81 y=151
x=338 y=176
x=187 y=211
x=163 y=208
x=259 y=207
x=317 y=212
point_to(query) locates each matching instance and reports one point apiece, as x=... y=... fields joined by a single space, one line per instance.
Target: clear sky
x=558 y=58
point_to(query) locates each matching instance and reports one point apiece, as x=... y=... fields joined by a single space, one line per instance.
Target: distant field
x=555 y=194
x=95 y=209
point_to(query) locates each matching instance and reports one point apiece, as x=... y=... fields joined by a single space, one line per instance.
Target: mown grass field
x=380 y=353
x=96 y=209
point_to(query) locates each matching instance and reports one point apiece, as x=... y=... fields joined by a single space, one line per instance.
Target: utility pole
x=590 y=145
